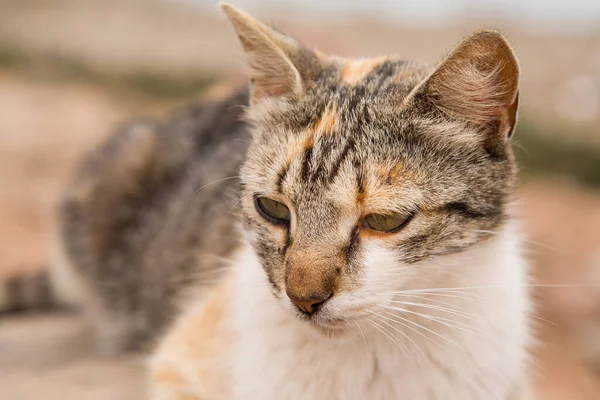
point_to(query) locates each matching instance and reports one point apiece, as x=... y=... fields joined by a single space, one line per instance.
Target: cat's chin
x=330 y=329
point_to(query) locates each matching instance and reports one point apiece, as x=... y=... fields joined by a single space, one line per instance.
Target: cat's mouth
x=330 y=320
x=326 y=324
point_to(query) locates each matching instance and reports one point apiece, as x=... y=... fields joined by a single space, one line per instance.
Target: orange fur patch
x=197 y=348
x=326 y=123
x=361 y=195
x=206 y=332
x=168 y=376
x=323 y=126
x=309 y=140
x=354 y=71
x=387 y=175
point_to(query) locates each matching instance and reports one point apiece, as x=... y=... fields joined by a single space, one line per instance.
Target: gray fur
x=140 y=232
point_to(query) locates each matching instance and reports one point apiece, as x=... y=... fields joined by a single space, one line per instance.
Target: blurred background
x=73 y=70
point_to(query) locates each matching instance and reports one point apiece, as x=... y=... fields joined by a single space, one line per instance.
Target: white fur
x=279 y=356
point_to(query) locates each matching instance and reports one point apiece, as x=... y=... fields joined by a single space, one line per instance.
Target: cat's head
x=361 y=173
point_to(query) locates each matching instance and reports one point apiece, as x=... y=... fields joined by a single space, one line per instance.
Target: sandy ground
x=48 y=357
x=45 y=128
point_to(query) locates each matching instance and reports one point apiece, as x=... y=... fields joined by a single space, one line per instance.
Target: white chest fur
x=280 y=357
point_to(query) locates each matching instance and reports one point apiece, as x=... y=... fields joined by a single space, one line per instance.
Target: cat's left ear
x=477 y=84
x=269 y=54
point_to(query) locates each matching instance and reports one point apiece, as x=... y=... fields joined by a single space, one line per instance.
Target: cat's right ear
x=268 y=52
x=476 y=84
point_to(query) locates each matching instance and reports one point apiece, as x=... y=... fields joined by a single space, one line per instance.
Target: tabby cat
x=341 y=230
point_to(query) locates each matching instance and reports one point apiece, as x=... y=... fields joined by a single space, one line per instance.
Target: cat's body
x=364 y=214
x=135 y=222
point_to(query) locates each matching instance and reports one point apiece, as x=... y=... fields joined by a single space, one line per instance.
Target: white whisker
x=440 y=320
x=433 y=307
x=400 y=345
x=427 y=329
x=459 y=326
x=451 y=289
x=542 y=319
x=237 y=202
x=395 y=316
x=216 y=181
x=362 y=334
x=383 y=320
x=542 y=245
x=453 y=295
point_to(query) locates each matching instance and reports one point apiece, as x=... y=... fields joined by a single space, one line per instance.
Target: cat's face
x=363 y=175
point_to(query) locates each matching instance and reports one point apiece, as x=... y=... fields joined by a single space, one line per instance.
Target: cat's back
x=150 y=212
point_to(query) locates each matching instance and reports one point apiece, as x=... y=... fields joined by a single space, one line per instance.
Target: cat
x=341 y=229
x=380 y=259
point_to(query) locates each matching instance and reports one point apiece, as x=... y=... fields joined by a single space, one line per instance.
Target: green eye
x=386 y=223
x=273 y=211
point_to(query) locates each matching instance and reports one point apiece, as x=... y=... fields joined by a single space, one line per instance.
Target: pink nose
x=311 y=304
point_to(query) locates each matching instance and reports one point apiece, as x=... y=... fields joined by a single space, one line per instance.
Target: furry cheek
x=383 y=272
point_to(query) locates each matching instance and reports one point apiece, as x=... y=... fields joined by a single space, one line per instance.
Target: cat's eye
x=386 y=222
x=273 y=211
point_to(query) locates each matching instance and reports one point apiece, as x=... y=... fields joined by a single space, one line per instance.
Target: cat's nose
x=311 y=304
